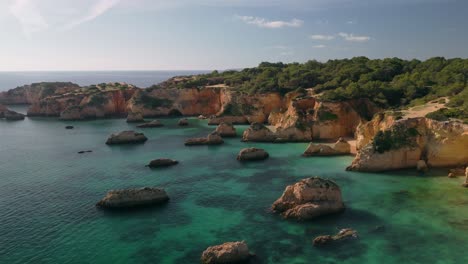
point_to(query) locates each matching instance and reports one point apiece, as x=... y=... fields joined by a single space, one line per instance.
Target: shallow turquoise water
x=48 y=192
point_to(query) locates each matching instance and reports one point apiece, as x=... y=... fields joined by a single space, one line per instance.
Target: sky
x=41 y=35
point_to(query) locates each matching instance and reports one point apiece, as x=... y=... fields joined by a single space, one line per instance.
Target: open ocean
x=142 y=79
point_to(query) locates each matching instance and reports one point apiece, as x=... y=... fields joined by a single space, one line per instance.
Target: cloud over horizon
x=265 y=23
x=354 y=38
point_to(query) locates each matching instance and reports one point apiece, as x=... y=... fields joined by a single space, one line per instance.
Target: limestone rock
x=421 y=166
x=129 y=198
x=157 y=163
x=13 y=116
x=310 y=198
x=135 y=117
x=342 y=146
x=229 y=252
x=344 y=234
x=183 y=122
x=151 y=124
x=258 y=133
x=212 y=139
x=226 y=130
x=250 y=154
x=126 y=137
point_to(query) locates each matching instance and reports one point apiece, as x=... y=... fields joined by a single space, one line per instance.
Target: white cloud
x=264 y=23
x=319 y=46
x=350 y=22
x=322 y=37
x=29 y=16
x=96 y=10
x=354 y=38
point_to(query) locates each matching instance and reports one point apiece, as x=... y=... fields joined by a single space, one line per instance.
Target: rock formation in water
x=226 y=130
x=310 y=198
x=135 y=117
x=227 y=253
x=126 y=137
x=158 y=163
x=212 y=139
x=341 y=147
x=183 y=122
x=252 y=154
x=129 y=198
x=259 y=133
x=9 y=114
x=344 y=234
x=386 y=143
x=151 y=124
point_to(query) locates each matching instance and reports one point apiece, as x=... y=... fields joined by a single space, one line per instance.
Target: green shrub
x=395 y=138
x=324 y=115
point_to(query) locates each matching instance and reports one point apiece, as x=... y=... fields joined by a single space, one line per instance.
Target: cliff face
x=406 y=141
x=91 y=102
x=29 y=94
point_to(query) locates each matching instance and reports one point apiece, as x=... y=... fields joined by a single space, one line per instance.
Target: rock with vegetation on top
x=183 y=122
x=135 y=117
x=126 y=137
x=250 y=154
x=151 y=124
x=157 y=163
x=226 y=130
x=212 y=139
x=344 y=234
x=258 y=133
x=421 y=166
x=310 y=198
x=129 y=198
x=229 y=252
x=13 y=116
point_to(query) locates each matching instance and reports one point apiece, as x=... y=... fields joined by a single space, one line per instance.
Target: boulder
x=310 y=198
x=459 y=171
x=342 y=146
x=212 y=139
x=183 y=122
x=226 y=130
x=129 y=198
x=135 y=117
x=13 y=116
x=154 y=123
x=344 y=234
x=421 y=166
x=229 y=252
x=451 y=175
x=84 y=151
x=126 y=137
x=157 y=163
x=248 y=154
x=259 y=133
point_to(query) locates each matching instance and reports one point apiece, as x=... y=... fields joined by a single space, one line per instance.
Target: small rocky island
x=158 y=163
x=130 y=198
x=212 y=139
x=126 y=137
x=229 y=252
x=252 y=154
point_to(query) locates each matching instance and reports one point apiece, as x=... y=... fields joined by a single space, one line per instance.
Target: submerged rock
x=183 y=122
x=135 y=117
x=212 y=139
x=248 y=154
x=126 y=137
x=13 y=116
x=259 y=133
x=154 y=123
x=226 y=130
x=84 y=151
x=69 y=127
x=157 y=163
x=310 y=198
x=344 y=234
x=229 y=252
x=128 y=198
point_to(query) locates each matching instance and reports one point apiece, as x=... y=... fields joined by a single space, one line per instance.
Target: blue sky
x=215 y=34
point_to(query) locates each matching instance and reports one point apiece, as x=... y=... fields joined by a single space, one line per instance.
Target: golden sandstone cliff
x=386 y=143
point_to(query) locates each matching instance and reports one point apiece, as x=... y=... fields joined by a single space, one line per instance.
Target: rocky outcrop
x=130 y=198
x=158 y=163
x=344 y=234
x=126 y=137
x=252 y=154
x=309 y=198
x=259 y=133
x=13 y=116
x=341 y=147
x=151 y=124
x=227 y=253
x=405 y=142
x=226 y=130
x=183 y=122
x=33 y=93
x=212 y=139
x=421 y=166
x=135 y=117
x=465 y=184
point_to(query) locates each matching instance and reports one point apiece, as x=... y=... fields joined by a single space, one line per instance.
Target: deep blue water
x=142 y=79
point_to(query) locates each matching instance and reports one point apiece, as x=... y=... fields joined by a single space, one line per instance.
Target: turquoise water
x=48 y=192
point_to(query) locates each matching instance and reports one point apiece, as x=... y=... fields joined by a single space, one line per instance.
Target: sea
x=48 y=194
